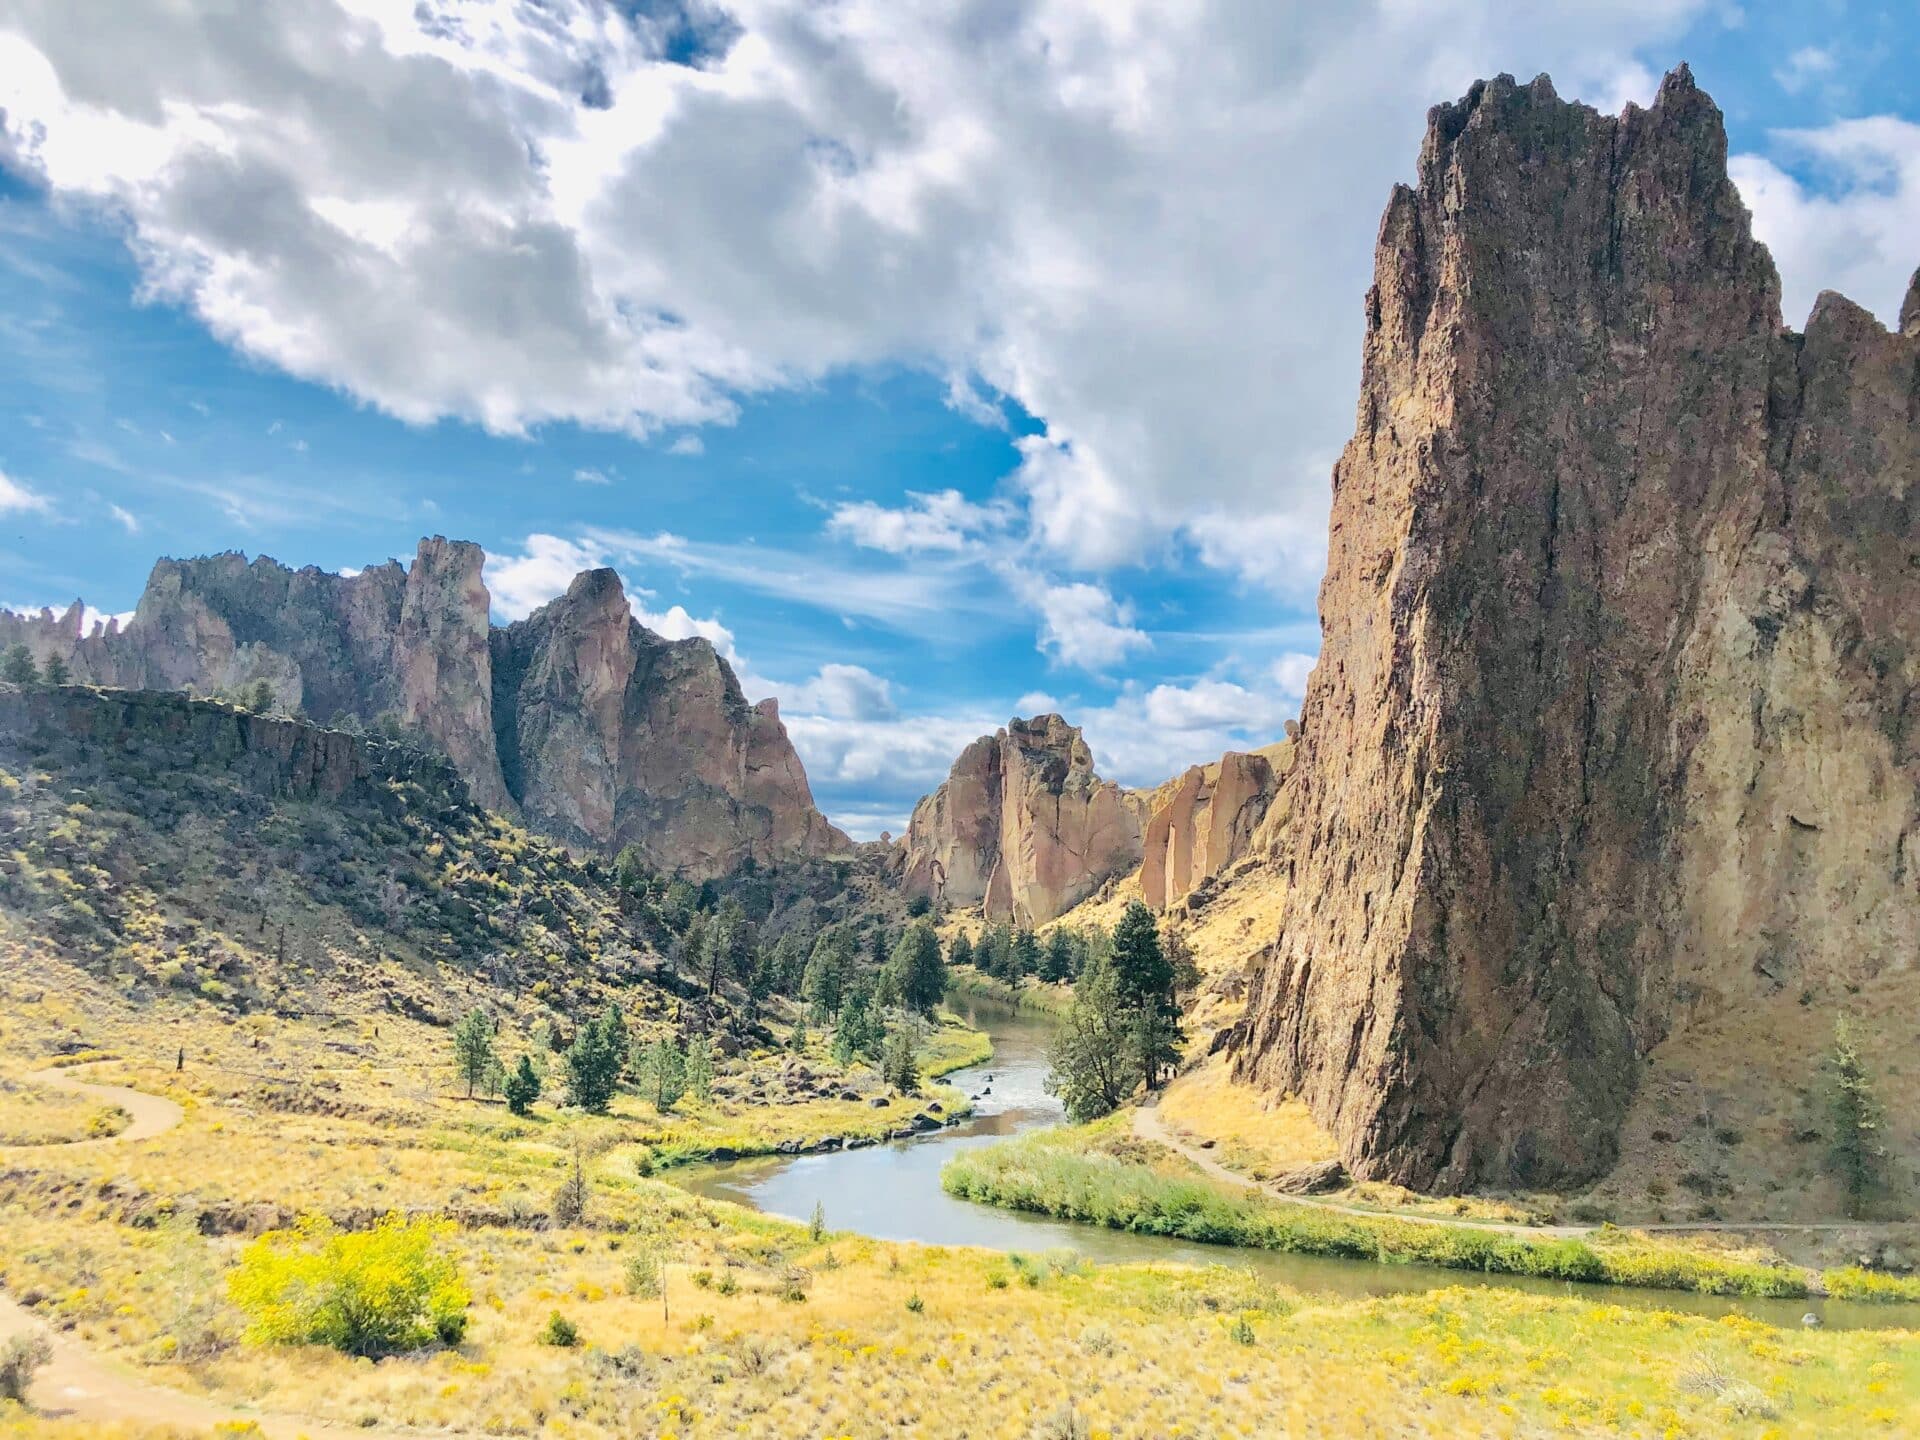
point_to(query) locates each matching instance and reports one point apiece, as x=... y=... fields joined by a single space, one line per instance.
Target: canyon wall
x=1205 y=821
x=1022 y=826
x=1614 y=723
x=598 y=731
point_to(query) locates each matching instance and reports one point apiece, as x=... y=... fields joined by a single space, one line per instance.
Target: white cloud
x=90 y=617
x=17 y=498
x=675 y=623
x=1290 y=674
x=1284 y=551
x=687 y=445
x=943 y=521
x=521 y=584
x=1036 y=702
x=1859 y=231
x=125 y=518
x=1149 y=225
x=1082 y=624
x=588 y=475
x=1805 y=66
x=1147 y=735
x=841 y=692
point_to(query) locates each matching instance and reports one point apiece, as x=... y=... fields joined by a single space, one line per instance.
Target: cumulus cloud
x=521 y=584
x=16 y=498
x=1082 y=624
x=1149 y=734
x=1149 y=225
x=1857 y=230
x=944 y=521
x=842 y=692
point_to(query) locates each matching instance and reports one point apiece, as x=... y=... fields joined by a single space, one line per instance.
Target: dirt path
x=152 y=1114
x=1147 y=1125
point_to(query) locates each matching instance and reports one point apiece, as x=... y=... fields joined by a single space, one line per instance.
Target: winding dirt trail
x=79 y=1384
x=152 y=1114
x=1147 y=1125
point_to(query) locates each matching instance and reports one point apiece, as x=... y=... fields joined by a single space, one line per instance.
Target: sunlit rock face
x=1613 y=726
x=1022 y=826
x=596 y=730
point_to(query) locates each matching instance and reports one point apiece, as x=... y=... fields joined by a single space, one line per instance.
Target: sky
x=940 y=362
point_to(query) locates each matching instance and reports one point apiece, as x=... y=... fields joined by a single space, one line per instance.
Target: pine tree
x=260 y=697
x=18 y=666
x=699 y=1068
x=593 y=1068
x=960 y=952
x=56 y=671
x=1856 y=1149
x=1094 y=1059
x=522 y=1087
x=917 y=973
x=660 y=1070
x=1145 y=979
x=899 y=1066
x=1024 y=960
x=473 y=1048
x=825 y=982
x=1057 y=963
x=856 y=1029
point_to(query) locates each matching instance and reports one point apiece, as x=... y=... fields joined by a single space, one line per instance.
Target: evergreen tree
x=789 y=963
x=917 y=973
x=1855 y=1147
x=1026 y=955
x=522 y=1087
x=473 y=1048
x=56 y=671
x=1057 y=962
x=1186 y=970
x=593 y=1067
x=856 y=1030
x=18 y=666
x=960 y=952
x=828 y=969
x=699 y=1068
x=689 y=952
x=260 y=697
x=660 y=1071
x=797 y=1041
x=877 y=950
x=1145 y=979
x=899 y=1066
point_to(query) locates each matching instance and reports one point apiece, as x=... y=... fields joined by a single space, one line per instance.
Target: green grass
x=1872 y=1286
x=953 y=1045
x=1033 y=996
x=1064 y=1174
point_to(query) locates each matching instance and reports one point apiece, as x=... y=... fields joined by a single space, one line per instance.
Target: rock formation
x=1614 y=724
x=599 y=731
x=1203 y=822
x=1022 y=826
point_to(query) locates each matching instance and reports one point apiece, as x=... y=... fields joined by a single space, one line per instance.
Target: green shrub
x=1048 y=1175
x=1875 y=1287
x=388 y=1289
x=560 y=1332
x=20 y=1358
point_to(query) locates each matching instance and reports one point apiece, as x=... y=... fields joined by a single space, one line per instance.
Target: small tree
x=20 y=1359
x=473 y=1048
x=1025 y=959
x=1057 y=963
x=699 y=1068
x=1094 y=1060
x=18 y=666
x=917 y=969
x=1144 y=977
x=660 y=1071
x=592 y=1065
x=1856 y=1150
x=823 y=986
x=856 y=1030
x=797 y=1040
x=522 y=1087
x=56 y=671
x=960 y=952
x=899 y=1066
x=260 y=697
x=570 y=1199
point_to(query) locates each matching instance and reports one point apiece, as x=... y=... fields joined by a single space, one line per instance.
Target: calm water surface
x=893 y=1192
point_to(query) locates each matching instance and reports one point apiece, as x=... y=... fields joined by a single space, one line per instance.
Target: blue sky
x=937 y=369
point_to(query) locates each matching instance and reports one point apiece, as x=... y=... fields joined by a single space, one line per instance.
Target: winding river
x=893 y=1192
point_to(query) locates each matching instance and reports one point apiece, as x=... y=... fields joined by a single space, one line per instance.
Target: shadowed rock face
x=1613 y=725
x=597 y=730
x=1022 y=826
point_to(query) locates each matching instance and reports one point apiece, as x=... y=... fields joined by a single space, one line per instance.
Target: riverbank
x=1036 y=998
x=1101 y=1175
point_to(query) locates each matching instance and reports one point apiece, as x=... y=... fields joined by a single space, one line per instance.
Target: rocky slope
x=1613 y=725
x=1022 y=826
x=597 y=730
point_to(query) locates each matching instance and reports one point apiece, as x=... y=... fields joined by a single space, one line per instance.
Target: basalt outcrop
x=1022 y=826
x=1614 y=723
x=592 y=727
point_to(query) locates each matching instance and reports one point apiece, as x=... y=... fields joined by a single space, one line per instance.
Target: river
x=893 y=1192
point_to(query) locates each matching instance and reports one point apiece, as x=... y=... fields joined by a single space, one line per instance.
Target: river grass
x=1092 y=1175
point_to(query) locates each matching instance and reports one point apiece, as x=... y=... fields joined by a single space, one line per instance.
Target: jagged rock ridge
x=1614 y=720
x=595 y=729
x=1205 y=821
x=1022 y=826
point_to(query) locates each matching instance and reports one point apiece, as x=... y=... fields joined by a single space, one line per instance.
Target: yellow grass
x=33 y=1114
x=1255 y=1133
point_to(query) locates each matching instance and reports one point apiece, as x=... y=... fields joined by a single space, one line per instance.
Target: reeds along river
x=893 y=1192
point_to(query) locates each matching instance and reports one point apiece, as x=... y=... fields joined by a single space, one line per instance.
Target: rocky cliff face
x=1022 y=826
x=1204 y=822
x=599 y=731
x=1614 y=724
